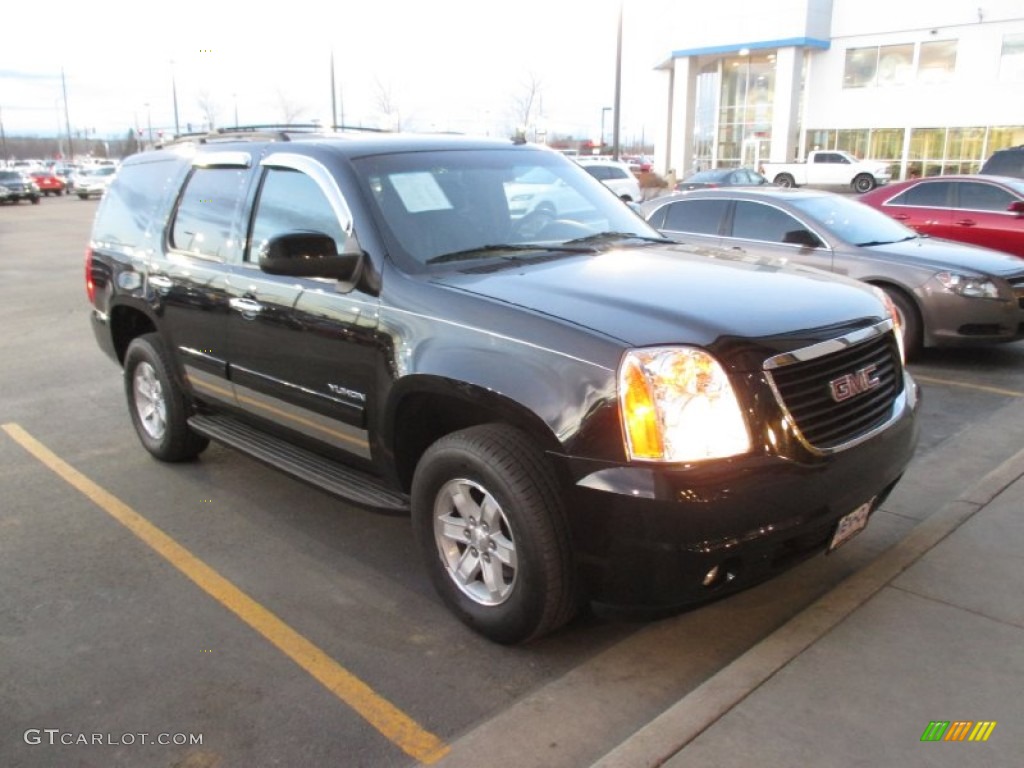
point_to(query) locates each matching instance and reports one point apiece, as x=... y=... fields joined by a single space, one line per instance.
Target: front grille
x=836 y=393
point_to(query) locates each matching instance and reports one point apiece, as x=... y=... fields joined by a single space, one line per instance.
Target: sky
x=444 y=65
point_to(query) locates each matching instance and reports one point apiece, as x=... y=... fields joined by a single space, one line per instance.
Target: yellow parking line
x=402 y=730
x=965 y=385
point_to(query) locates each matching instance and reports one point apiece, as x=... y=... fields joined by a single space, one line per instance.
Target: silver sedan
x=946 y=293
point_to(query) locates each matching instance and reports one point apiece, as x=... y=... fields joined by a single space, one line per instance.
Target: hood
x=674 y=294
x=941 y=255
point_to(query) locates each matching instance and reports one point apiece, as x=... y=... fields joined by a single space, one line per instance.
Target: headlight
x=969 y=286
x=677 y=404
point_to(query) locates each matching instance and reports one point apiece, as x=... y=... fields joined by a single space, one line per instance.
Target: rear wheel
x=158 y=406
x=489 y=520
x=785 y=180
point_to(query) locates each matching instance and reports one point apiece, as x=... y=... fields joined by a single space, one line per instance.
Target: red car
x=48 y=183
x=981 y=210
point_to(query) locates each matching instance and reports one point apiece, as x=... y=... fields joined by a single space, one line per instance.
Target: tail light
x=90 y=286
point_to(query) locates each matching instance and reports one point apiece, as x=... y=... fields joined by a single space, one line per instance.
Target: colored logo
x=958 y=730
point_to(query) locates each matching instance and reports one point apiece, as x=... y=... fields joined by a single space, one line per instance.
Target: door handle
x=967 y=222
x=161 y=282
x=248 y=307
x=901 y=217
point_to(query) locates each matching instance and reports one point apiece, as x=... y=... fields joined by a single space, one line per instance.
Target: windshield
x=487 y=204
x=853 y=222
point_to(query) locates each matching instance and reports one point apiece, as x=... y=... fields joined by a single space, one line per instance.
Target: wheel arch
x=126 y=324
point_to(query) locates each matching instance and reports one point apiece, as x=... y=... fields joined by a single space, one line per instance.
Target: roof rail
x=263 y=132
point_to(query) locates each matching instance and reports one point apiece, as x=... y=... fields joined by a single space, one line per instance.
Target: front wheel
x=910 y=321
x=863 y=183
x=489 y=521
x=158 y=406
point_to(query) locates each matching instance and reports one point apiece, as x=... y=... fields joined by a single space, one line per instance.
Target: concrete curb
x=671 y=731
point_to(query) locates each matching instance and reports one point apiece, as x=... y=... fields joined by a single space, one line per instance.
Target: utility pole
x=174 y=94
x=334 y=97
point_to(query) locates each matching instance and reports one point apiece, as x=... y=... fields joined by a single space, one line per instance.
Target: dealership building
x=931 y=86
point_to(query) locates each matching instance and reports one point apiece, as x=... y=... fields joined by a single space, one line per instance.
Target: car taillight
x=90 y=286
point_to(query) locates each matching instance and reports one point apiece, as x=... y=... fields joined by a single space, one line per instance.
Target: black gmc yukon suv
x=480 y=333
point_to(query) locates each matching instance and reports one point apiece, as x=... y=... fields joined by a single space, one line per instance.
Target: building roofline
x=759 y=45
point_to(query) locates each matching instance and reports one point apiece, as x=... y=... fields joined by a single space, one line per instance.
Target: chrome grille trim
x=801 y=382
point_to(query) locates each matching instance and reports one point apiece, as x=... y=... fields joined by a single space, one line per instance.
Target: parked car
x=829 y=169
x=947 y=293
x=981 y=210
x=93 y=182
x=722 y=177
x=615 y=175
x=48 y=183
x=1006 y=162
x=584 y=411
x=20 y=186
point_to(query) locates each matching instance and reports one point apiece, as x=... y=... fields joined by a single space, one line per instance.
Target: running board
x=350 y=484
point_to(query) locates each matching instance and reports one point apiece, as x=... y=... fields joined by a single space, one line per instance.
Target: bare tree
x=525 y=106
x=208 y=107
x=290 y=111
x=387 y=105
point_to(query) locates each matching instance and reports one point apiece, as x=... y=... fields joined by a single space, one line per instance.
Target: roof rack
x=264 y=132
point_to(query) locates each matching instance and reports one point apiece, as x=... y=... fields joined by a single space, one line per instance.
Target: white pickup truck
x=829 y=169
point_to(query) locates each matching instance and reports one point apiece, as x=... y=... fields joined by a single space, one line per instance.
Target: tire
x=863 y=183
x=82 y=197
x=910 y=319
x=784 y=180
x=157 y=404
x=35 y=199
x=485 y=500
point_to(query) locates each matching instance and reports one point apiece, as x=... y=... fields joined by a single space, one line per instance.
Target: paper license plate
x=850 y=525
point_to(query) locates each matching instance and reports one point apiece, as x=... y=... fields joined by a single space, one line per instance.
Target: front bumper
x=650 y=537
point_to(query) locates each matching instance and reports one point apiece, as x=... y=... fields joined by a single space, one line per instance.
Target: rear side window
x=754 y=221
x=207 y=212
x=699 y=217
x=130 y=212
x=929 y=194
x=983 y=197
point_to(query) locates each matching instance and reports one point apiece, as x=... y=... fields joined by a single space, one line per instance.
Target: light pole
x=149 y=124
x=603 y=110
x=235 y=97
x=174 y=93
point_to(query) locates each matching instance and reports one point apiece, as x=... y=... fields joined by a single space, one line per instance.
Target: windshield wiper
x=602 y=236
x=472 y=253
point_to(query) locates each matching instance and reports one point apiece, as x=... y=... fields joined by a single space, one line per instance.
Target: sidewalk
x=933 y=630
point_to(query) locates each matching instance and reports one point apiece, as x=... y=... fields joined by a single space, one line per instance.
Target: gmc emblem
x=854 y=383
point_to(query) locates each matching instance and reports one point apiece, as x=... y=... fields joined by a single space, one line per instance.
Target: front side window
x=756 y=221
x=203 y=223
x=928 y=194
x=291 y=201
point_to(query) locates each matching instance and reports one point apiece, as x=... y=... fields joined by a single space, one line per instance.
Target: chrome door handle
x=248 y=307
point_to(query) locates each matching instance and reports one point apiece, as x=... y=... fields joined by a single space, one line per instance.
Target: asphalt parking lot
x=220 y=614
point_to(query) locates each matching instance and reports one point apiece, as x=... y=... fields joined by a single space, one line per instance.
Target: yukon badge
x=854 y=383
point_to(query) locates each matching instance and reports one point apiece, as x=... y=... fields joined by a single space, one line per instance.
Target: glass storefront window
x=854 y=141
x=745 y=108
x=895 y=65
x=1011 y=62
x=937 y=62
x=886 y=144
x=861 y=64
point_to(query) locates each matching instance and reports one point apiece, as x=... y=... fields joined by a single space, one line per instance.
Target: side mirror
x=1017 y=206
x=307 y=254
x=802 y=237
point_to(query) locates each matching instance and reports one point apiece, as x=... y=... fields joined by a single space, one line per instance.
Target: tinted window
x=983 y=197
x=756 y=221
x=206 y=212
x=1005 y=163
x=701 y=217
x=928 y=194
x=291 y=201
x=126 y=215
